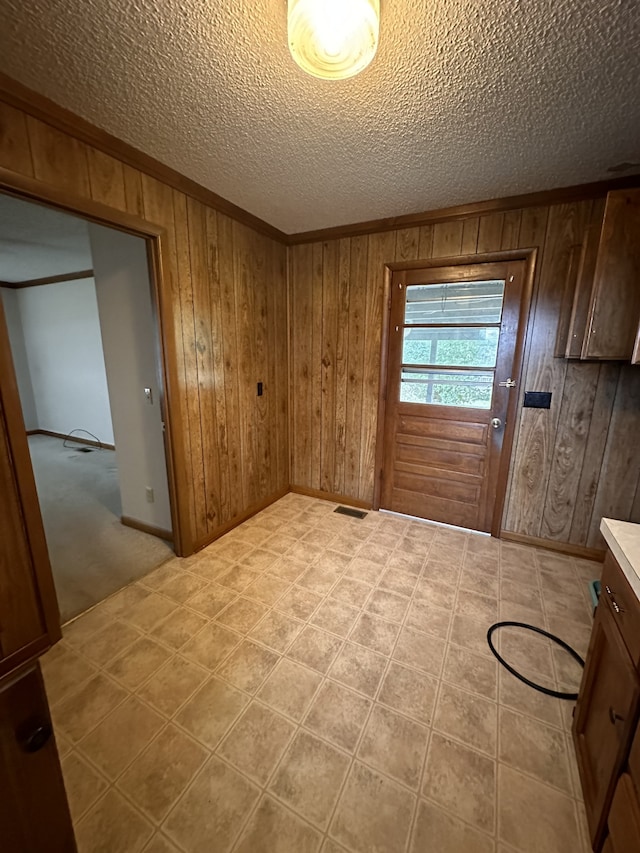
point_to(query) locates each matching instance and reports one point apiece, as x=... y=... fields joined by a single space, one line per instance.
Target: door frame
x=529 y=256
x=156 y=240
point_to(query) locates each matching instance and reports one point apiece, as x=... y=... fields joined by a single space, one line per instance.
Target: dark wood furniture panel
x=34 y=815
x=605 y=718
x=624 y=817
x=614 y=310
x=634 y=760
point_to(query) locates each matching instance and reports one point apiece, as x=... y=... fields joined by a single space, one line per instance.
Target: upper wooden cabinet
x=600 y=315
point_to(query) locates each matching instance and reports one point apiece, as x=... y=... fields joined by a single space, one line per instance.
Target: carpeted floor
x=92 y=553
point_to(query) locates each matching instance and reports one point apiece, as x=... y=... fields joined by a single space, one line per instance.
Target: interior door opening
x=81 y=323
x=454 y=345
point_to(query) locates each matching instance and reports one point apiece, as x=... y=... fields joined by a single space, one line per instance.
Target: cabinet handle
x=614 y=717
x=608 y=590
x=616 y=606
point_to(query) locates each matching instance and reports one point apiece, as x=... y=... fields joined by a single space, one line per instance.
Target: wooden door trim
x=529 y=256
x=155 y=236
x=11 y=414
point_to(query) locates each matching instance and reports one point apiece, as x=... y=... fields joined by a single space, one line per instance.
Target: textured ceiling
x=38 y=242
x=466 y=100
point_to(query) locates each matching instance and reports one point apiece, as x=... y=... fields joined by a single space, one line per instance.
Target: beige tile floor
x=312 y=682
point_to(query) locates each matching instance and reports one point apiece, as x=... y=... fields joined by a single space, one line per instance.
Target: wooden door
x=605 y=717
x=455 y=334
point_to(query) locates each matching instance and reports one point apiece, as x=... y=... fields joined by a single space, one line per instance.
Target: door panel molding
x=449 y=269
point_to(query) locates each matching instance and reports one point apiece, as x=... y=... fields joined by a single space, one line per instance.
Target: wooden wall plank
x=380 y=248
x=537 y=427
x=330 y=302
x=590 y=474
x=490 y=233
x=190 y=356
x=15 y=148
x=261 y=367
x=425 y=246
x=281 y=349
x=574 y=420
x=218 y=379
x=342 y=362
x=511 y=230
x=202 y=413
x=106 y=179
x=316 y=363
x=355 y=370
x=447 y=239
x=244 y=262
x=58 y=159
x=407 y=244
x=621 y=463
x=226 y=262
x=133 y=191
x=302 y=311
x=470 y=230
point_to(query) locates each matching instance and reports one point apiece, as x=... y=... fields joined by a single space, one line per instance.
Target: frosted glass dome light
x=333 y=39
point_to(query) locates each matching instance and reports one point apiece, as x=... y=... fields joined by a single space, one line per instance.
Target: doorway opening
x=452 y=353
x=81 y=323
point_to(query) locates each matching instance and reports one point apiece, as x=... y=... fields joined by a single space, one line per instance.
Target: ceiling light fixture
x=333 y=39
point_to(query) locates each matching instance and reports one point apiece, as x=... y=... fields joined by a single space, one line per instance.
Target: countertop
x=623 y=538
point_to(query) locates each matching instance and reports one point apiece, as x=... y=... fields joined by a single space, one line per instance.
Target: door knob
x=496 y=423
x=34 y=735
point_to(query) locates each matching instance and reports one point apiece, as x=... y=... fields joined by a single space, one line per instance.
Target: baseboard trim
x=103 y=445
x=160 y=532
x=550 y=545
x=330 y=496
x=239 y=519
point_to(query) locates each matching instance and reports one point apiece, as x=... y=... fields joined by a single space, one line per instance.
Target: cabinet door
x=584 y=283
x=624 y=817
x=605 y=718
x=29 y=620
x=34 y=815
x=614 y=311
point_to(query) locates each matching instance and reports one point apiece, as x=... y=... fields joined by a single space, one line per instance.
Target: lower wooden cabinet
x=624 y=817
x=34 y=814
x=606 y=714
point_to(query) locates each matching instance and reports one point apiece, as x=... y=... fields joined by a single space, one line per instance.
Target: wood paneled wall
x=229 y=295
x=570 y=464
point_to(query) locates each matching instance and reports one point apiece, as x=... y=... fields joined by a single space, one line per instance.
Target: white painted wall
x=19 y=353
x=64 y=353
x=129 y=342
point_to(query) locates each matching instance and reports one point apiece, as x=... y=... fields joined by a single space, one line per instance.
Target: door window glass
x=450 y=330
x=447 y=387
x=459 y=346
x=455 y=302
